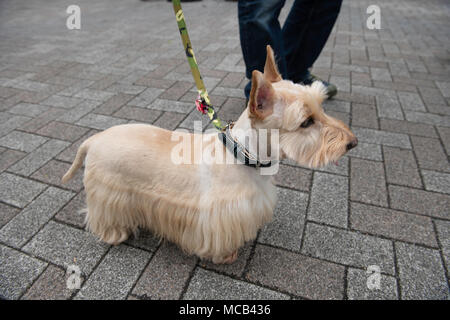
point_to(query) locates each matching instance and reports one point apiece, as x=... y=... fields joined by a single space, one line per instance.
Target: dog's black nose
x=352 y=144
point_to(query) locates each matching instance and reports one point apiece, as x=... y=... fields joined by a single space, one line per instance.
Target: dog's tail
x=77 y=163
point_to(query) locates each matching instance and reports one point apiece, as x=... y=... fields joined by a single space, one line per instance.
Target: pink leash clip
x=200 y=106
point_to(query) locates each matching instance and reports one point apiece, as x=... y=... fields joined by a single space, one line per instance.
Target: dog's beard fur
x=208 y=210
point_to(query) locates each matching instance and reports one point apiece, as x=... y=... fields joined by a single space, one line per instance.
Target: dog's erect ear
x=270 y=69
x=262 y=96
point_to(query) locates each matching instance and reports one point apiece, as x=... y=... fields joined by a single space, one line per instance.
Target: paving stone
x=398 y=86
x=329 y=200
x=361 y=78
x=73 y=212
x=9 y=157
x=431 y=95
x=382 y=137
x=155 y=83
x=22 y=141
x=374 y=192
x=7 y=92
x=100 y=122
x=18 y=191
x=296 y=274
x=171 y=106
x=28 y=109
x=76 y=113
x=62 y=131
x=410 y=128
x=61 y=102
x=359 y=290
x=113 y=104
x=419 y=201
x=344 y=117
x=340 y=167
x=364 y=116
x=349 y=248
x=42 y=120
x=389 y=107
x=38 y=157
x=430 y=154
x=169 y=120
x=367 y=151
x=444 y=87
x=336 y=105
x=392 y=224
x=440 y=109
x=12 y=124
x=51 y=285
x=443 y=233
x=421 y=273
x=229 y=92
x=195 y=121
x=92 y=94
x=166 y=274
x=428 y=118
x=380 y=74
x=343 y=83
x=393 y=87
x=53 y=171
x=132 y=77
x=212 y=286
x=411 y=101
x=115 y=275
x=7 y=213
x=401 y=167
x=69 y=153
x=436 y=181
x=138 y=114
x=413 y=81
x=5 y=116
x=176 y=91
x=64 y=246
x=288 y=221
x=18 y=271
x=232 y=109
x=62 y=80
x=146 y=97
x=31 y=85
x=232 y=80
x=83 y=73
x=24 y=225
x=229 y=63
x=125 y=88
x=293 y=177
x=445 y=138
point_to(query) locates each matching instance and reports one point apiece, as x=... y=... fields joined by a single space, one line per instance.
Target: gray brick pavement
x=386 y=203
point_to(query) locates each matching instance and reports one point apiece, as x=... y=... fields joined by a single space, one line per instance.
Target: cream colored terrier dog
x=209 y=210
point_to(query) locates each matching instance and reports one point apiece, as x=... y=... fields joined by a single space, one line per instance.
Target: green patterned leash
x=202 y=103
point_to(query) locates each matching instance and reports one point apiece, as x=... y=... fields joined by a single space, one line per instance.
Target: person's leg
x=305 y=33
x=258 y=27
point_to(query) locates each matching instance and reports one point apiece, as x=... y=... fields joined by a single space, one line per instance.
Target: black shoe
x=331 y=88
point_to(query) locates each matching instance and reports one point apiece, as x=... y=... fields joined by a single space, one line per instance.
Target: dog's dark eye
x=308 y=122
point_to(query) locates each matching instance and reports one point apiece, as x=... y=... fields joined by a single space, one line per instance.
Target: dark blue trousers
x=297 y=44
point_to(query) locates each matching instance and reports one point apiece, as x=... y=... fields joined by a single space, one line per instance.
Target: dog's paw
x=229 y=259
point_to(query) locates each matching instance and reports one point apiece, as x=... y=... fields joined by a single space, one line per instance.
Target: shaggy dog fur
x=208 y=208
